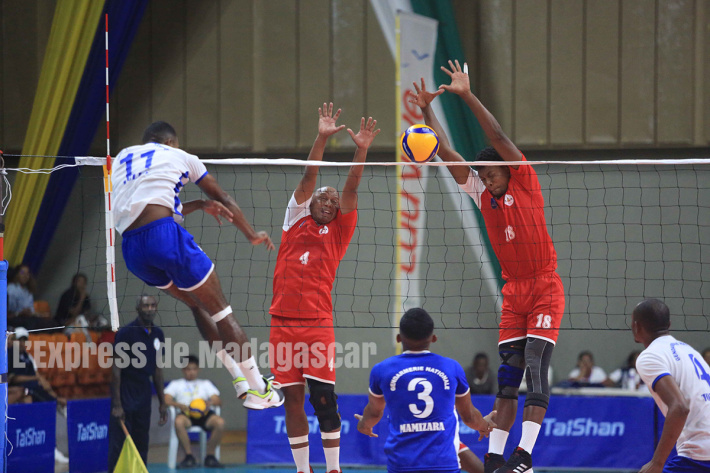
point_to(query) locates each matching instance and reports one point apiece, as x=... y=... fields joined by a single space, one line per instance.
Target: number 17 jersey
x=151 y=173
x=420 y=390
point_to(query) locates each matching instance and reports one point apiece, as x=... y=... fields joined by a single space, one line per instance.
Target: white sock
x=300 y=456
x=530 y=431
x=332 y=458
x=253 y=375
x=229 y=363
x=496 y=441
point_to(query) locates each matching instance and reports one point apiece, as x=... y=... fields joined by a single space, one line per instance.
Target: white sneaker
x=241 y=386
x=271 y=398
x=59 y=456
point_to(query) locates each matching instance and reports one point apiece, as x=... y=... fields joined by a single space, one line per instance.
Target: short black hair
x=191 y=359
x=416 y=324
x=159 y=132
x=653 y=315
x=488 y=153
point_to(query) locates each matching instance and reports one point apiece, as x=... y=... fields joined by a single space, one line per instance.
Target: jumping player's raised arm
x=223 y=205
x=446 y=152
x=362 y=140
x=326 y=128
x=461 y=86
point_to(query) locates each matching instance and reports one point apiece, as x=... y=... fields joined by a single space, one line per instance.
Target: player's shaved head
x=325 y=205
x=324 y=189
x=653 y=315
x=159 y=132
x=416 y=325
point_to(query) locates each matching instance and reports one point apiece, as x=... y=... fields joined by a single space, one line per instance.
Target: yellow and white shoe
x=258 y=401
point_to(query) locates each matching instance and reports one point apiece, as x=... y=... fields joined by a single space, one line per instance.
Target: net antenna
x=108 y=204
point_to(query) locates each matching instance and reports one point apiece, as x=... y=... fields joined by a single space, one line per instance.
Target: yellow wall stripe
x=73 y=29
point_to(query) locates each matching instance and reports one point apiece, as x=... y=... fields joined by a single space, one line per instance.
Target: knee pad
x=512 y=367
x=537 y=357
x=325 y=403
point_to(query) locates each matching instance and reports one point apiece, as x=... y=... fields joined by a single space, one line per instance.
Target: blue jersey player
x=423 y=391
x=147 y=180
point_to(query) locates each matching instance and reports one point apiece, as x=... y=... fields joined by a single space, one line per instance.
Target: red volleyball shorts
x=300 y=349
x=532 y=308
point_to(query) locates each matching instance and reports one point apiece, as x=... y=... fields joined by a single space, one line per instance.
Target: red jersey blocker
x=533 y=295
x=302 y=340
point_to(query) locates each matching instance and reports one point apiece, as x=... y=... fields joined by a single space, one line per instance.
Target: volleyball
x=419 y=143
x=198 y=408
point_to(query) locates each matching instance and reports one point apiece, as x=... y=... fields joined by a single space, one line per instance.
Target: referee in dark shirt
x=136 y=349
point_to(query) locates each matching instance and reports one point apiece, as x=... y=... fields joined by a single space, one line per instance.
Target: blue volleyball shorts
x=680 y=464
x=163 y=253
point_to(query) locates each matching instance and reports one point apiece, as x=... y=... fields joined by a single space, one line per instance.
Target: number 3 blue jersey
x=420 y=389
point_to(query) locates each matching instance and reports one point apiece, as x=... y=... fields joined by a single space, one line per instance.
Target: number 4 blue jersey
x=420 y=389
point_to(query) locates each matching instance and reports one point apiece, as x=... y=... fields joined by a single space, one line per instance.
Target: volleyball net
x=623 y=231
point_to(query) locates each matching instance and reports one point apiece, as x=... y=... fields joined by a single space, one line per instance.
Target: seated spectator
x=180 y=393
x=74 y=301
x=20 y=301
x=479 y=376
x=586 y=372
x=20 y=293
x=25 y=384
x=22 y=372
x=706 y=355
x=626 y=377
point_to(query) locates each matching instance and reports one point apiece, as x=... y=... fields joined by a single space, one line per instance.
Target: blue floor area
x=163 y=468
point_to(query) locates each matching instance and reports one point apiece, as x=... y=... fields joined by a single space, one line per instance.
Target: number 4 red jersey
x=307 y=261
x=516 y=224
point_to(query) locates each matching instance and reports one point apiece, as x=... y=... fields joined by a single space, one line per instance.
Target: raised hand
x=460 y=83
x=217 y=210
x=423 y=97
x=367 y=133
x=263 y=238
x=326 y=120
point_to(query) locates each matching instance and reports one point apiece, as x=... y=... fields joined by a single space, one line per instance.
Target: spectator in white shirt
x=180 y=393
x=586 y=372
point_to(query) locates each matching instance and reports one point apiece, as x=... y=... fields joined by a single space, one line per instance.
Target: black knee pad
x=325 y=403
x=537 y=357
x=512 y=367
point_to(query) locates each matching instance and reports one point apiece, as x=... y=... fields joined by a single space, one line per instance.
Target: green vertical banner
x=464 y=131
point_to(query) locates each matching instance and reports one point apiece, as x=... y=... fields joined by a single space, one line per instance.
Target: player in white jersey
x=147 y=180
x=679 y=380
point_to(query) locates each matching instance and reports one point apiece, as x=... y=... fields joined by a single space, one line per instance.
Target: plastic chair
x=174 y=442
x=42 y=308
